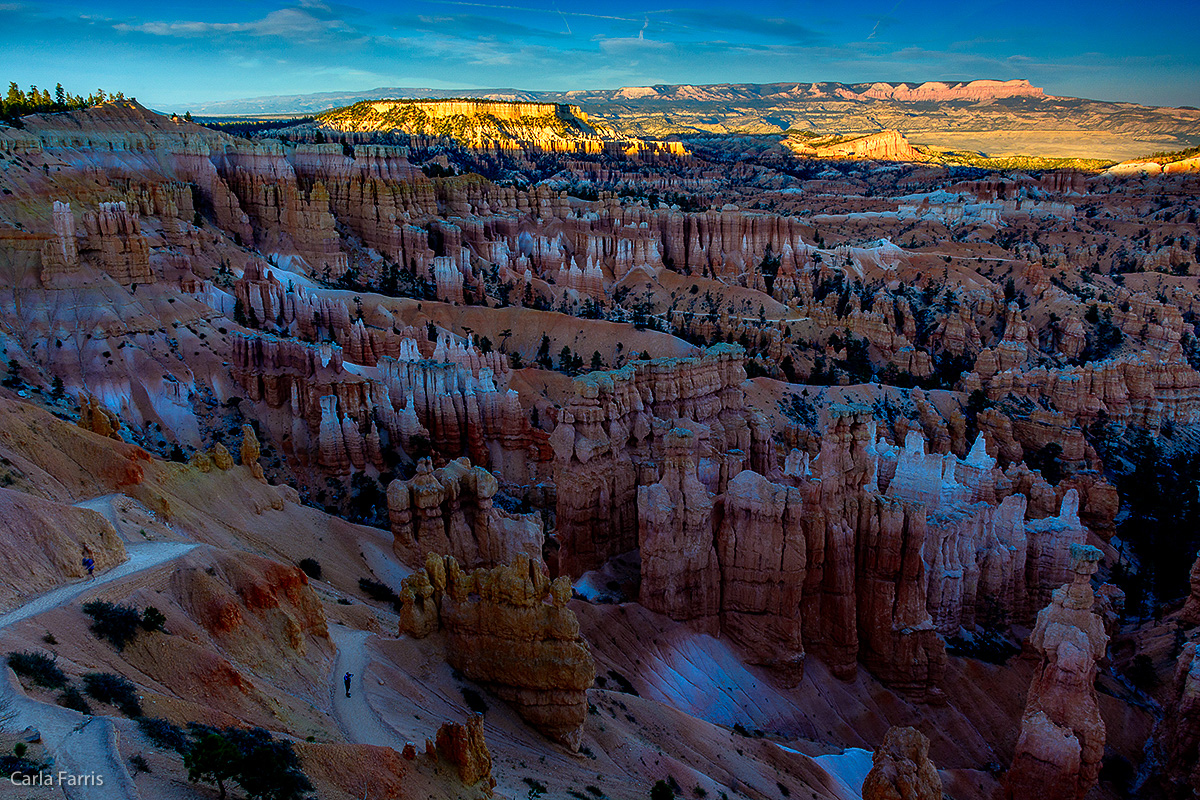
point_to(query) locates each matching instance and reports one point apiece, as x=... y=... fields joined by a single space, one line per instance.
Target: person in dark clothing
x=346 y=680
x=90 y=566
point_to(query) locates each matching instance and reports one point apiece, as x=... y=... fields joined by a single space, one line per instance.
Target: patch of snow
x=847 y=770
x=590 y=586
x=593 y=585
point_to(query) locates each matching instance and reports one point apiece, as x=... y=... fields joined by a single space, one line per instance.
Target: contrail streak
x=879 y=21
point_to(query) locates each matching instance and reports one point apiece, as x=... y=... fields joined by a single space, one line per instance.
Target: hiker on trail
x=346 y=679
x=90 y=566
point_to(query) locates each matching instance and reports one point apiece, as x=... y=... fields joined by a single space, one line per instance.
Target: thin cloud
x=531 y=10
x=295 y=24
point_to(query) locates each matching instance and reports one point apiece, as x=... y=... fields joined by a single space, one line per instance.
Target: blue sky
x=169 y=54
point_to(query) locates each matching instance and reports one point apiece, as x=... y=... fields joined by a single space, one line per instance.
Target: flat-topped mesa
x=610 y=438
x=937 y=91
x=1062 y=733
x=500 y=109
x=509 y=629
x=484 y=125
x=463 y=119
x=450 y=510
x=887 y=145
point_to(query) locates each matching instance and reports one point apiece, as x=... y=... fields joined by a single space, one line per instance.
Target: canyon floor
x=607 y=463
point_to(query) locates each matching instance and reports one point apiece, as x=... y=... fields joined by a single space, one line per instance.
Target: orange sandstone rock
x=901 y=769
x=1062 y=734
x=464 y=747
x=509 y=629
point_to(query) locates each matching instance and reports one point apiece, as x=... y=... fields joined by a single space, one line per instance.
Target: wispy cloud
x=293 y=24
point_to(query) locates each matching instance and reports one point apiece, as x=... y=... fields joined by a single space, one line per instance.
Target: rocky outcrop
x=828 y=562
x=284 y=216
x=1190 y=614
x=262 y=613
x=445 y=394
x=763 y=551
x=1142 y=388
x=901 y=769
x=114 y=242
x=616 y=427
x=680 y=576
x=450 y=510
x=509 y=629
x=221 y=457
x=1177 y=738
x=96 y=418
x=995 y=547
x=897 y=638
x=465 y=748
x=1062 y=734
x=250 y=452
x=60 y=254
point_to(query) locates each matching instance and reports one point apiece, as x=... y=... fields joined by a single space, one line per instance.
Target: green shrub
x=623 y=684
x=265 y=767
x=73 y=698
x=116 y=623
x=1141 y=673
x=311 y=567
x=114 y=690
x=474 y=700
x=164 y=733
x=662 y=791
x=379 y=591
x=39 y=668
x=153 y=619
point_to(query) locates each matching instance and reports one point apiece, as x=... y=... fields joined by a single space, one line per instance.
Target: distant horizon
x=197 y=51
x=587 y=89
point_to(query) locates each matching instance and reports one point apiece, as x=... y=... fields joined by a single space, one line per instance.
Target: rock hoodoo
x=901 y=769
x=1062 y=734
x=450 y=510
x=1177 y=739
x=509 y=629
x=464 y=747
x=1190 y=615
